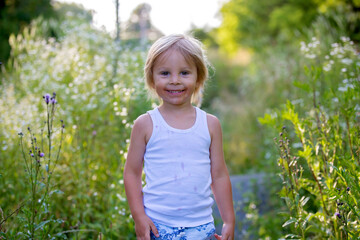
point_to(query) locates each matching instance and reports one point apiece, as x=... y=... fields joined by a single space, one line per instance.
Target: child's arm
x=132 y=177
x=221 y=185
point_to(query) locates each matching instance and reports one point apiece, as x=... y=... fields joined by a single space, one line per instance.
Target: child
x=181 y=149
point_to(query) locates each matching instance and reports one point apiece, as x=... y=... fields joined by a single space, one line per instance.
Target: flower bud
x=47 y=98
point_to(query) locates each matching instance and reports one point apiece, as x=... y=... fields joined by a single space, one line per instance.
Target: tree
x=250 y=24
x=15 y=15
x=139 y=27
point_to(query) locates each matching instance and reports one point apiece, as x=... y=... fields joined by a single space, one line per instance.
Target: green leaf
x=304 y=200
x=267 y=119
x=290 y=221
x=304 y=86
x=292 y=236
x=42 y=224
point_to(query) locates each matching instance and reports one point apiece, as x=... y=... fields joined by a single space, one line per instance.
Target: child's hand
x=227 y=232
x=143 y=226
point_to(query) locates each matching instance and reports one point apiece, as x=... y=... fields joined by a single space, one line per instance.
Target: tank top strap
x=203 y=125
x=154 y=116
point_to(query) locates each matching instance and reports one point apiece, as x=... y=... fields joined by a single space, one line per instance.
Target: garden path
x=247 y=189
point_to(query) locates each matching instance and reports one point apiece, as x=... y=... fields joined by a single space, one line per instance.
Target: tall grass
x=98 y=106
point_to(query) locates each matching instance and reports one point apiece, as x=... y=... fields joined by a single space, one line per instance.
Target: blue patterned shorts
x=202 y=232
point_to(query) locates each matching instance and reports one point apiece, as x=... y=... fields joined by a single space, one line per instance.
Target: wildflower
x=20 y=134
x=29 y=128
x=41 y=154
x=338 y=215
x=53 y=101
x=47 y=98
x=347 y=189
x=94 y=133
x=340 y=203
x=32 y=155
x=281 y=134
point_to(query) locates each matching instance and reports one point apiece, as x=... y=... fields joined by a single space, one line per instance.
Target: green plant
x=319 y=153
x=39 y=163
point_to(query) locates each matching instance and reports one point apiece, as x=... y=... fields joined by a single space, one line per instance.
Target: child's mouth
x=175 y=91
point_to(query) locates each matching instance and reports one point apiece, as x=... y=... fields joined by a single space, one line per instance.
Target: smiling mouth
x=175 y=91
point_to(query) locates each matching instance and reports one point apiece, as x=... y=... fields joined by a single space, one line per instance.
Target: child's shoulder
x=213 y=123
x=143 y=120
x=212 y=119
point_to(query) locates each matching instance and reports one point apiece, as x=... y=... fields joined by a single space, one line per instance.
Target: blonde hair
x=190 y=48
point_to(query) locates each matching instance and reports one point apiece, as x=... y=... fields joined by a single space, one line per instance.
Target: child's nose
x=174 y=79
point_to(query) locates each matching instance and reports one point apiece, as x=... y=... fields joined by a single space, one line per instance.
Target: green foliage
x=319 y=148
x=98 y=105
x=262 y=25
x=15 y=15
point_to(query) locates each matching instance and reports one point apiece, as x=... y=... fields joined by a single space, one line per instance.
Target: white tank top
x=178 y=175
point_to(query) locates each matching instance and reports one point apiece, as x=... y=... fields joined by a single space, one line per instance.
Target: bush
x=319 y=145
x=102 y=92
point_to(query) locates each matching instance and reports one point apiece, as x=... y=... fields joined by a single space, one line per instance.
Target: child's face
x=174 y=78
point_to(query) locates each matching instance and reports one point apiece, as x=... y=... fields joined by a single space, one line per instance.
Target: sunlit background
x=284 y=83
x=168 y=16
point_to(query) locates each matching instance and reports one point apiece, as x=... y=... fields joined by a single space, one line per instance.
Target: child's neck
x=181 y=117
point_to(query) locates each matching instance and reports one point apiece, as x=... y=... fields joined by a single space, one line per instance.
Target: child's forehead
x=162 y=58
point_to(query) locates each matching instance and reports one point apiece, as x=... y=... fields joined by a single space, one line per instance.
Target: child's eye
x=184 y=73
x=164 y=73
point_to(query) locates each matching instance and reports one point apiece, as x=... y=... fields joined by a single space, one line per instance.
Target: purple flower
x=41 y=154
x=53 y=101
x=47 y=98
x=32 y=155
x=94 y=133
x=338 y=215
x=347 y=189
